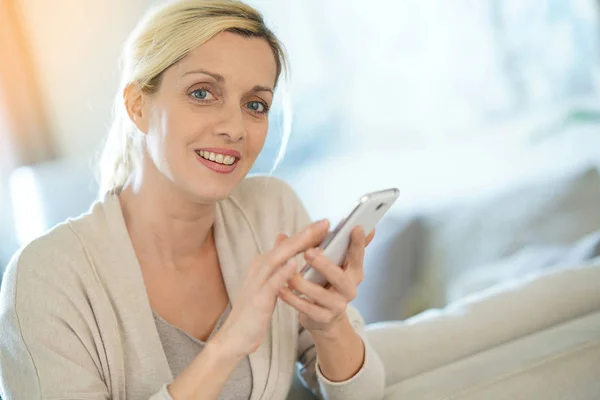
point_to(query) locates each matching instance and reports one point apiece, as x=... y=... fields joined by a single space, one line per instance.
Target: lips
x=218 y=160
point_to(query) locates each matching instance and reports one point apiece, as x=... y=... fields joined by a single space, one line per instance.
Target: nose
x=231 y=124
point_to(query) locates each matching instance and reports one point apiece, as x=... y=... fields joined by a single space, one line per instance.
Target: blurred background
x=485 y=113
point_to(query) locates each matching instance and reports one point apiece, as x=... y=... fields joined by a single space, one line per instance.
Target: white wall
x=75 y=46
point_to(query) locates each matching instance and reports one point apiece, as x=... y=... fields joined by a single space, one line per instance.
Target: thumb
x=369 y=237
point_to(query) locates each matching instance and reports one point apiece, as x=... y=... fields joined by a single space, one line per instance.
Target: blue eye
x=258 y=107
x=200 y=94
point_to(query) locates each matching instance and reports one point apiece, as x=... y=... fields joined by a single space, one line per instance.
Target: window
x=415 y=72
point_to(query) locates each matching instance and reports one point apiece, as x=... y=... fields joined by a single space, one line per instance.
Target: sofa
x=537 y=337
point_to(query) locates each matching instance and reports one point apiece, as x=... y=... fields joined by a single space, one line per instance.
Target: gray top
x=181 y=349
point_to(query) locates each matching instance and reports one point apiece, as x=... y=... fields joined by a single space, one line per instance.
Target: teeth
x=218 y=158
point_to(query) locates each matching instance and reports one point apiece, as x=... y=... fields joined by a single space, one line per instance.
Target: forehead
x=241 y=60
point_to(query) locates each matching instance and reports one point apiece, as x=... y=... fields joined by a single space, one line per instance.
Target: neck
x=167 y=228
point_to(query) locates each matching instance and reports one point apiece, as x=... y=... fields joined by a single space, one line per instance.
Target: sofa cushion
x=531 y=259
x=391 y=264
x=464 y=236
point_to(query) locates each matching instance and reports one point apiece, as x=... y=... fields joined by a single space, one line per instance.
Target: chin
x=207 y=185
x=212 y=190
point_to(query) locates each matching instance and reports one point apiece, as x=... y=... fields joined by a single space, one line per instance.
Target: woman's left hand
x=324 y=307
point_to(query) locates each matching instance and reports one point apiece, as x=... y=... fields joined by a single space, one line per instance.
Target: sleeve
x=47 y=348
x=163 y=394
x=369 y=382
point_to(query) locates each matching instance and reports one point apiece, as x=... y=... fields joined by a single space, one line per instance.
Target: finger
x=369 y=237
x=289 y=248
x=311 y=236
x=281 y=276
x=329 y=299
x=356 y=252
x=313 y=311
x=335 y=275
x=279 y=239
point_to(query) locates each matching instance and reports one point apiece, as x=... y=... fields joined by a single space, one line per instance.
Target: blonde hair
x=163 y=37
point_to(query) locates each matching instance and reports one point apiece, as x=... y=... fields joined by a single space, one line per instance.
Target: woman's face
x=208 y=121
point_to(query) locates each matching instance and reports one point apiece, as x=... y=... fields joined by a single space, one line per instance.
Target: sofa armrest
x=488 y=319
x=556 y=363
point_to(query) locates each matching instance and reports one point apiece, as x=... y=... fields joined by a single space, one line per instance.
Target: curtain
x=24 y=137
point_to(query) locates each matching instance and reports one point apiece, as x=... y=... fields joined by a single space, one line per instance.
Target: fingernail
x=322 y=222
x=311 y=254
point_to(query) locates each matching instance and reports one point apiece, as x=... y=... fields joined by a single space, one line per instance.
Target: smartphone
x=369 y=210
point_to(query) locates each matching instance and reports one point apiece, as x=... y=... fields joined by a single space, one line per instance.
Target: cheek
x=257 y=135
x=165 y=139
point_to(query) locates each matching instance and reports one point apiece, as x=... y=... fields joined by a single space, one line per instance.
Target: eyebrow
x=220 y=78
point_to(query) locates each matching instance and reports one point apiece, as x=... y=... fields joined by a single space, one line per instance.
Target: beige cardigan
x=76 y=323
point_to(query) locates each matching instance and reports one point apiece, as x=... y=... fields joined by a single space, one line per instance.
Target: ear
x=136 y=105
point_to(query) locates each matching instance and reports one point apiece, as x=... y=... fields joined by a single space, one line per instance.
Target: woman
x=178 y=282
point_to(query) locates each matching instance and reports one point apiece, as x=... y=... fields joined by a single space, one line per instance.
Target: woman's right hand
x=245 y=327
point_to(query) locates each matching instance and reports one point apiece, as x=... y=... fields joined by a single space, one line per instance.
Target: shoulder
x=270 y=202
x=55 y=248
x=54 y=261
x=47 y=314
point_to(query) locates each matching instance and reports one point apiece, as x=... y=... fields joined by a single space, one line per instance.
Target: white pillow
x=480 y=232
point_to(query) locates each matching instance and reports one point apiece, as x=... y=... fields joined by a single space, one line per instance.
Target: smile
x=222 y=161
x=216 y=157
